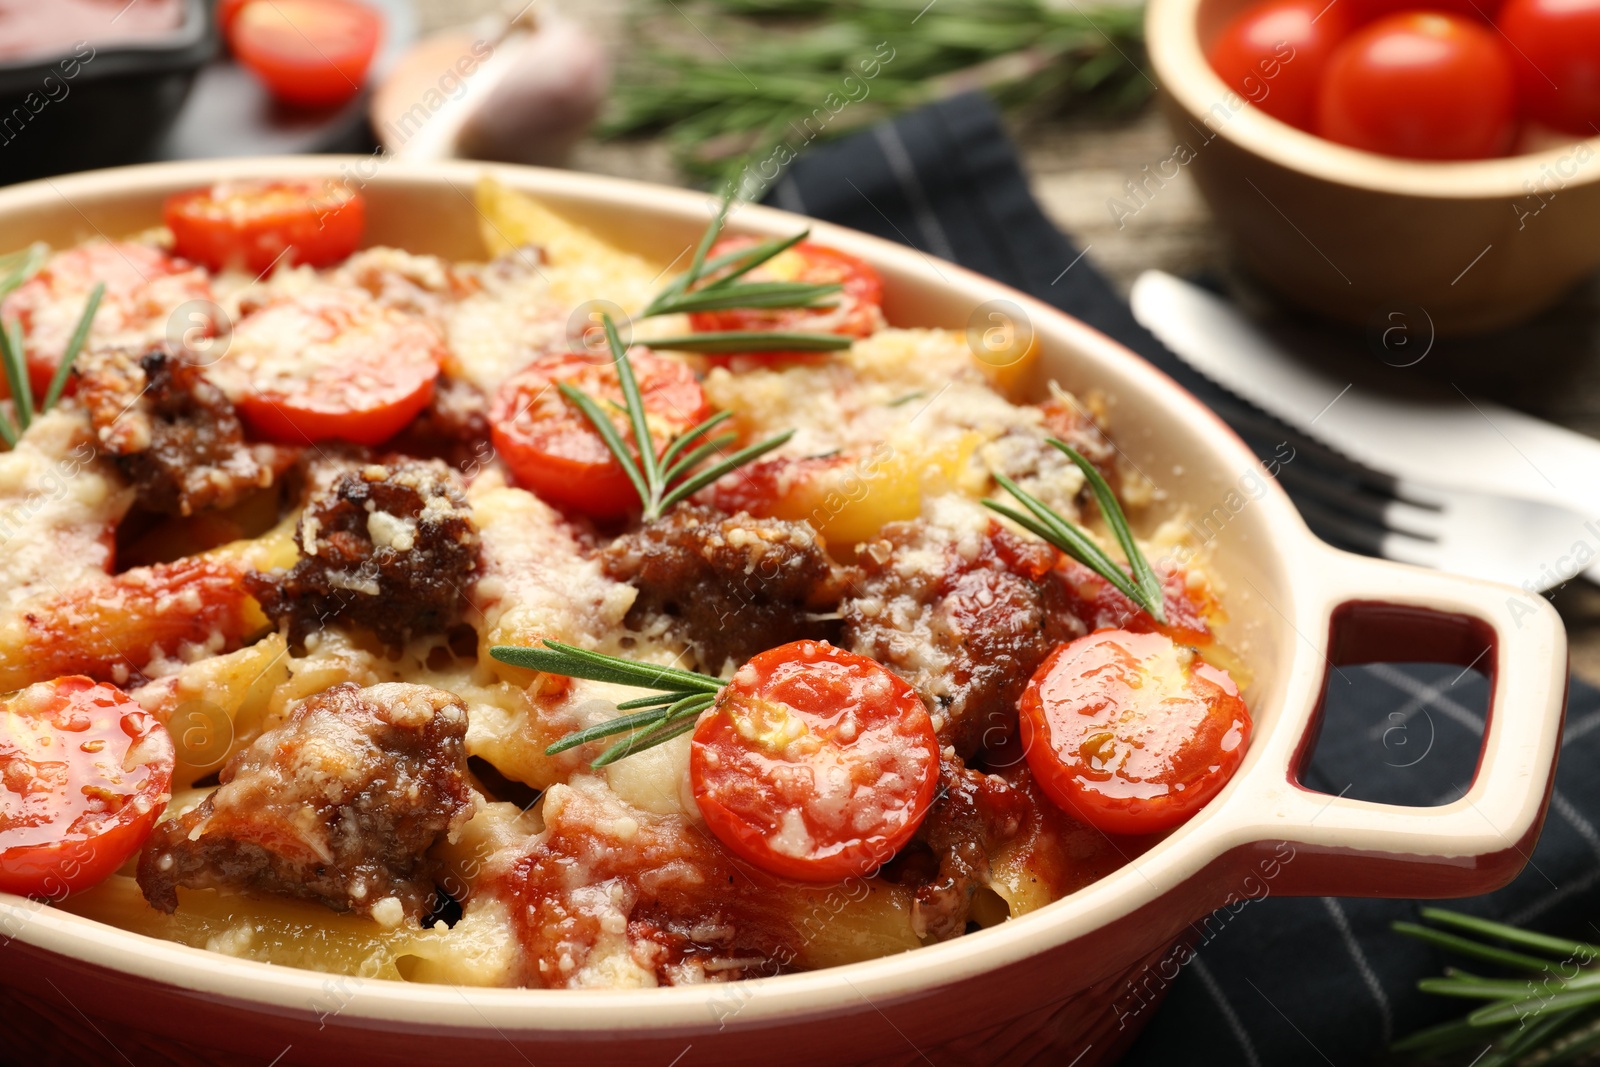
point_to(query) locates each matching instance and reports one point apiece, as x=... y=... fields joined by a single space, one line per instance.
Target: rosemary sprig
x=1144 y=589
x=788 y=72
x=14 y=358
x=672 y=710
x=665 y=480
x=712 y=284
x=1549 y=1016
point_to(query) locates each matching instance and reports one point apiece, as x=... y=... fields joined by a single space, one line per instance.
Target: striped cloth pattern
x=1281 y=981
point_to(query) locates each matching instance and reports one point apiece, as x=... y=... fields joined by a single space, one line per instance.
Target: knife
x=1431 y=435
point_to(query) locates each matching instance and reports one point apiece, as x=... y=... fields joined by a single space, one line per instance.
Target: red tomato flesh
x=856 y=311
x=254 y=225
x=1273 y=54
x=309 y=53
x=554 y=450
x=1422 y=85
x=332 y=364
x=1102 y=605
x=143 y=286
x=1556 y=54
x=1131 y=733
x=84 y=774
x=815 y=764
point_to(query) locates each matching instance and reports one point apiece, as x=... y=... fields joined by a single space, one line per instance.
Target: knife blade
x=1430 y=435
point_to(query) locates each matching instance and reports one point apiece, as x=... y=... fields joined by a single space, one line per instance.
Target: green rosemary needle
x=662 y=481
x=713 y=284
x=1144 y=589
x=14 y=357
x=672 y=710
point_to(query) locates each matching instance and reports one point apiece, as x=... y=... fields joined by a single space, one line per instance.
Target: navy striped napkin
x=1284 y=981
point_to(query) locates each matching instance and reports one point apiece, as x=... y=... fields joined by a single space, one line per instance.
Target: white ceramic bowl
x=1079 y=974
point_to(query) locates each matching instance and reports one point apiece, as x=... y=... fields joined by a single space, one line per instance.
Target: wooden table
x=1550 y=368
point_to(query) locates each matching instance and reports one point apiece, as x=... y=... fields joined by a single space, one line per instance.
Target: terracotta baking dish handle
x=1378 y=612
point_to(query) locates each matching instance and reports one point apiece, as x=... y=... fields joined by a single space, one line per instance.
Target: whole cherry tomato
x=1556 y=56
x=1423 y=85
x=1273 y=55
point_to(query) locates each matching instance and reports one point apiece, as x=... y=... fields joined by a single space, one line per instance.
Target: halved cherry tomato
x=256 y=224
x=857 y=311
x=1273 y=55
x=330 y=364
x=1365 y=11
x=84 y=774
x=555 y=451
x=1422 y=85
x=1130 y=732
x=815 y=764
x=1102 y=606
x=310 y=53
x=143 y=287
x=1556 y=54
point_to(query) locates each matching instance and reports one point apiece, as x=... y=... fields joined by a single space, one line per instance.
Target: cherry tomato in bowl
x=815 y=763
x=255 y=225
x=308 y=53
x=1420 y=85
x=1130 y=732
x=331 y=364
x=1273 y=55
x=84 y=774
x=554 y=450
x=857 y=310
x=1555 y=46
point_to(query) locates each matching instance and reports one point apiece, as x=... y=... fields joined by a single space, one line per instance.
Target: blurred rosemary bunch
x=726 y=78
x=1546 y=1012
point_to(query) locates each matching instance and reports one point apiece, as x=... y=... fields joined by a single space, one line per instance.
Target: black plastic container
x=99 y=106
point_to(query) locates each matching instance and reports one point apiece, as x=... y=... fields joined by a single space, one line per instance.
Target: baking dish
x=1076 y=978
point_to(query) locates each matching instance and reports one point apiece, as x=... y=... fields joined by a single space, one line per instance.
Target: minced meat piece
x=340 y=804
x=972 y=815
x=453 y=427
x=965 y=615
x=392 y=548
x=172 y=432
x=731 y=585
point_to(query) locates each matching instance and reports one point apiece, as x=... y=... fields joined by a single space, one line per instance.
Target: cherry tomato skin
x=256 y=225
x=308 y=53
x=1423 y=85
x=1556 y=55
x=143 y=286
x=554 y=450
x=84 y=774
x=1129 y=733
x=330 y=365
x=857 y=310
x=1365 y=11
x=801 y=715
x=1273 y=55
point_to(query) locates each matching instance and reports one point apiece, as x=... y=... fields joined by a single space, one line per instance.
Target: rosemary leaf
x=689 y=436
x=608 y=433
x=744 y=260
x=16 y=368
x=80 y=334
x=1511 y=1011
x=557 y=657
x=620 y=724
x=651 y=701
x=737 y=342
x=19 y=266
x=1559 y=948
x=688 y=462
x=636 y=413
x=1474 y=949
x=8 y=430
x=641 y=741
x=750 y=295
x=698 y=482
x=1111 y=512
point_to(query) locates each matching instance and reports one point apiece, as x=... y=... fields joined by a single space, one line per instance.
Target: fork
x=1530 y=544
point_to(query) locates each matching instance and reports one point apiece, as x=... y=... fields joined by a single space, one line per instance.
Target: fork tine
x=1389 y=513
x=1250 y=424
